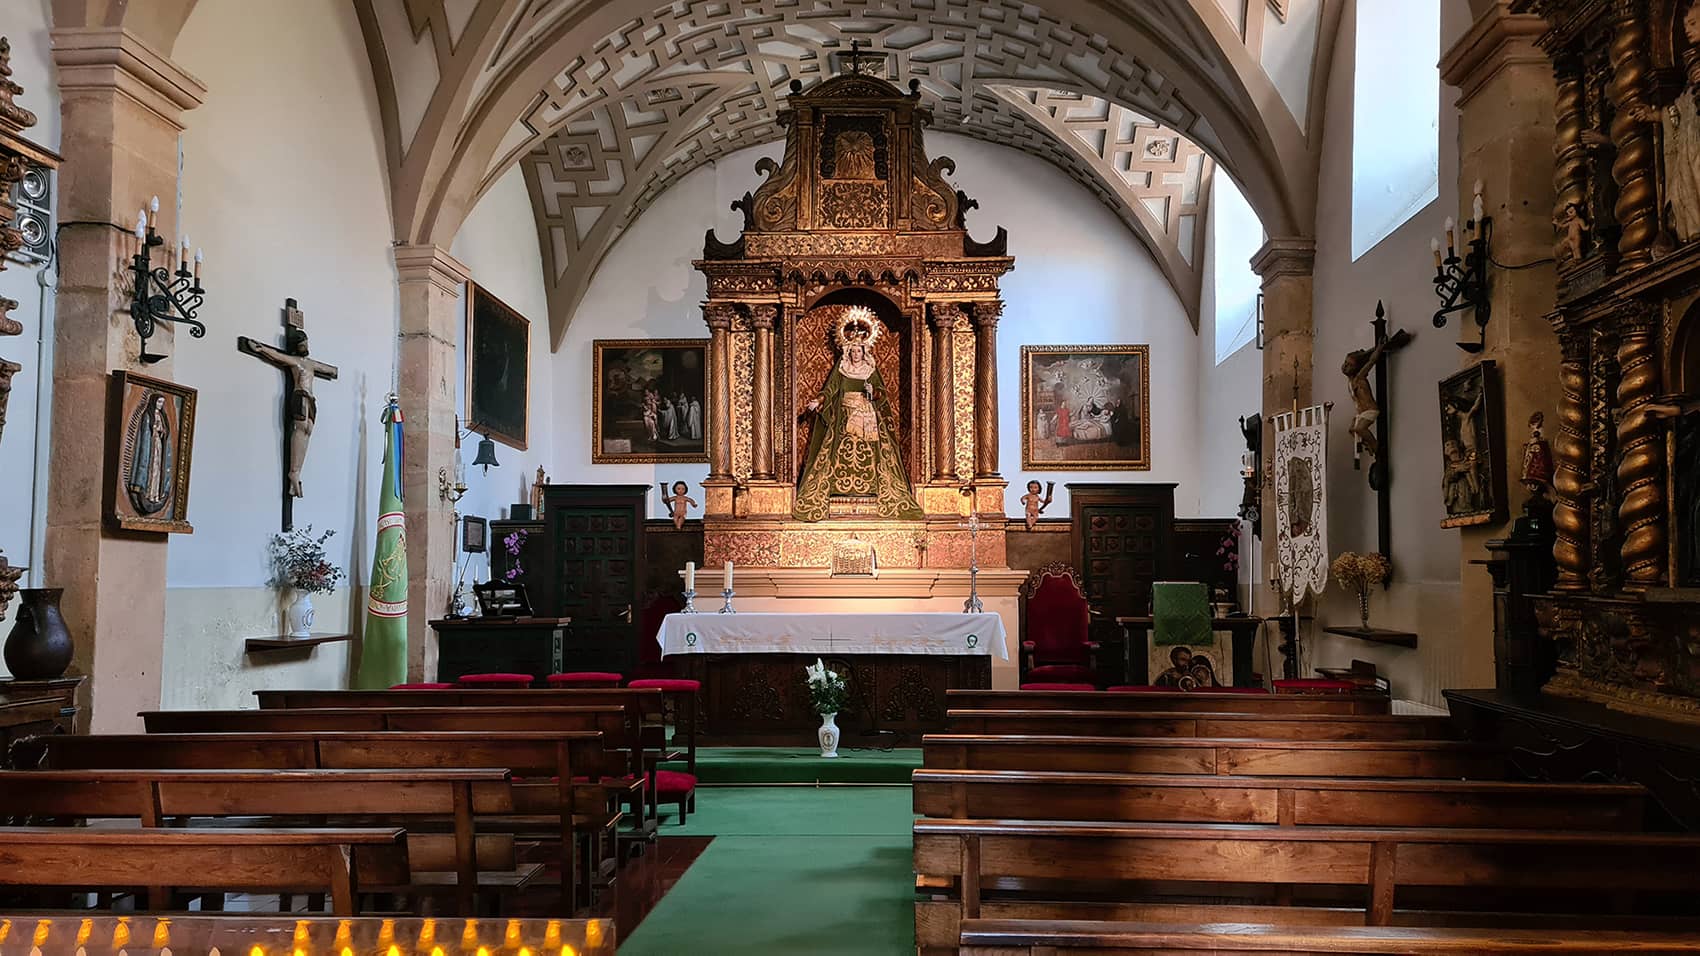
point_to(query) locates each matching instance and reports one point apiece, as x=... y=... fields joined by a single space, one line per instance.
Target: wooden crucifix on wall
x=1371 y=421
x=300 y=408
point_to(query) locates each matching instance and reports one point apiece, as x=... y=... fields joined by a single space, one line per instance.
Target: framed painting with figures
x=498 y=368
x=152 y=427
x=1472 y=477
x=649 y=403
x=1086 y=407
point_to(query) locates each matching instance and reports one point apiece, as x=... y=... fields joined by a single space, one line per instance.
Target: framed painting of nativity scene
x=1472 y=480
x=1086 y=407
x=498 y=368
x=649 y=403
x=149 y=450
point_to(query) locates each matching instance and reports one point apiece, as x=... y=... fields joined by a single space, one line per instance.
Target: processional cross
x=300 y=408
x=973 y=605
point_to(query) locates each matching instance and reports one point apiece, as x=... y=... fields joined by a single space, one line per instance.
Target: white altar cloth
x=935 y=633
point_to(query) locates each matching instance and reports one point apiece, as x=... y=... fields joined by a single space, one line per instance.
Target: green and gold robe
x=853 y=452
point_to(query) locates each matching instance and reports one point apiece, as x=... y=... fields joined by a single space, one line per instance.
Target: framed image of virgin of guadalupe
x=649 y=401
x=498 y=368
x=152 y=435
x=1086 y=407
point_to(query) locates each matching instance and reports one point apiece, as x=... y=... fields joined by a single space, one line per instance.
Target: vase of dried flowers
x=1360 y=573
x=300 y=566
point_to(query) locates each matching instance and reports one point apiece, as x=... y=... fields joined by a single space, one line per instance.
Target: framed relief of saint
x=152 y=436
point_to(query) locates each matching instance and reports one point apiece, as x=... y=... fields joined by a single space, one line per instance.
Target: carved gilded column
x=1632 y=124
x=1570 y=457
x=761 y=425
x=986 y=315
x=1641 y=456
x=719 y=316
x=946 y=318
x=1570 y=156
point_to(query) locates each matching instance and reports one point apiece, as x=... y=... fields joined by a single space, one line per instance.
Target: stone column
x=946 y=318
x=1507 y=104
x=430 y=283
x=986 y=315
x=1284 y=264
x=717 y=488
x=761 y=427
x=122 y=106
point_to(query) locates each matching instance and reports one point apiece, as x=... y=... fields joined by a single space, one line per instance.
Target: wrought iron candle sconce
x=1461 y=281
x=162 y=294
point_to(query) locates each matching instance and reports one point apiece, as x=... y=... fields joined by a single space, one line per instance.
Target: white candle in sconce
x=183 y=253
x=198 y=257
x=1476 y=208
x=690 y=575
x=1451 y=240
x=728 y=583
x=153 y=211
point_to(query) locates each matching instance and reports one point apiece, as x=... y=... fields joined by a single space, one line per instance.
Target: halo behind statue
x=857 y=324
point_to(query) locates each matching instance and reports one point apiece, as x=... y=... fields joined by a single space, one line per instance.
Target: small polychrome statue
x=679 y=504
x=1034 y=504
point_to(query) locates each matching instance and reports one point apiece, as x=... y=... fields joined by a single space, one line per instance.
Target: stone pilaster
x=1284 y=264
x=122 y=106
x=1507 y=107
x=762 y=318
x=986 y=315
x=717 y=489
x=430 y=282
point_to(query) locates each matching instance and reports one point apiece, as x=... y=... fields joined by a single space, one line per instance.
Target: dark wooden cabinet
x=1122 y=543
x=595 y=553
x=527 y=645
x=32 y=707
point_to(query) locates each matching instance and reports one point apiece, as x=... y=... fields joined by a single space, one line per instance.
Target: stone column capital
x=429 y=263
x=987 y=313
x=763 y=316
x=93 y=59
x=1284 y=256
x=719 y=315
x=1497 y=40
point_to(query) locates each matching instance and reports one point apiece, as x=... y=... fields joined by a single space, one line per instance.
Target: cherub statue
x=1034 y=504
x=1572 y=226
x=679 y=504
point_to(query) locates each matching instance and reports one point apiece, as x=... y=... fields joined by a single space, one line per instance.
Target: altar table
x=897 y=667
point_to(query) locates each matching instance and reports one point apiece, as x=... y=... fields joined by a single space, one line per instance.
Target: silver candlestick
x=727 y=609
x=690 y=602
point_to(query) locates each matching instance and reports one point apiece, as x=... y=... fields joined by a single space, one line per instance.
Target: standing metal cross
x=855 y=56
x=973 y=605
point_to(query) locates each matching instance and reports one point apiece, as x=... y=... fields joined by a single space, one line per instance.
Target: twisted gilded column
x=986 y=315
x=761 y=426
x=1570 y=156
x=719 y=316
x=946 y=318
x=1641 y=456
x=1636 y=212
x=1570 y=457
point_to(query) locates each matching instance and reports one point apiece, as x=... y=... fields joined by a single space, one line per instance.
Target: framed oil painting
x=498 y=368
x=649 y=401
x=1472 y=476
x=1086 y=407
x=152 y=437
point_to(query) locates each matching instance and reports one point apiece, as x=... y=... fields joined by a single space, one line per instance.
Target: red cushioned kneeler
x=1154 y=689
x=1052 y=685
x=671 y=684
x=426 y=686
x=673 y=786
x=586 y=679
x=503 y=681
x=1314 y=685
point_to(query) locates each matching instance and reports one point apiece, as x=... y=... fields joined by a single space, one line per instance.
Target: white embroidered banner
x=1301 y=506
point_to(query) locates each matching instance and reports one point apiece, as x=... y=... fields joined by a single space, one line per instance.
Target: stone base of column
x=989 y=495
x=943 y=498
x=717 y=496
x=765 y=497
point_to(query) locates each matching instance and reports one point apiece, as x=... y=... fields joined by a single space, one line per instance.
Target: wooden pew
x=1328 y=758
x=1138 y=723
x=958 y=862
x=555 y=756
x=1181 y=701
x=1278 y=801
x=993 y=937
x=316 y=861
x=415 y=798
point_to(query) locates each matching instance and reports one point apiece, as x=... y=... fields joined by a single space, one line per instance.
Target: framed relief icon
x=149 y=449
x=649 y=401
x=1472 y=477
x=498 y=368
x=1086 y=407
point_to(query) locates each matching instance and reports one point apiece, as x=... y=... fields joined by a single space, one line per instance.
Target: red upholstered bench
x=1154 y=689
x=682 y=694
x=1054 y=686
x=1314 y=685
x=500 y=681
x=586 y=679
x=424 y=686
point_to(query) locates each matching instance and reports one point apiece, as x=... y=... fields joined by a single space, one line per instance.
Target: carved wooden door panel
x=596 y=571
x=1122 y=534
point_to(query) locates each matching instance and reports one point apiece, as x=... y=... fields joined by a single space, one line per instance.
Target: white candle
x=690 y=575
x=142 y=224
x=153 y=209
x=1450 y=240
x=1476 y=208
x=728 y=584
x=198 y=257
x=183 y=256
x=1434 y=245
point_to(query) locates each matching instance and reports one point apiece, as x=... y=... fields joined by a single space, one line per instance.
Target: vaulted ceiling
x=607 y=103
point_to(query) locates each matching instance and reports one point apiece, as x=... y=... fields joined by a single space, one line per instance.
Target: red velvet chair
x=497 y=681
x=1056 y=642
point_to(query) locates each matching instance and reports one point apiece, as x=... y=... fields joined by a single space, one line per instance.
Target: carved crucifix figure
x=300 y=408
x=1358 y=366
